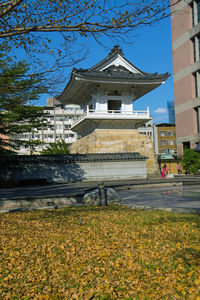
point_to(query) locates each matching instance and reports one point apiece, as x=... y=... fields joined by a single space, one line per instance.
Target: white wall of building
x=59 y=128
x=99 y=102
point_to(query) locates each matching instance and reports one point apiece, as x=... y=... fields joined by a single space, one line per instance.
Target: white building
x=107 y=92
x=59 y=120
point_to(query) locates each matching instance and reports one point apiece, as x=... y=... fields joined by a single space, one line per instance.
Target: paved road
x=173 y=198
x=43 y=190
x=178 y=198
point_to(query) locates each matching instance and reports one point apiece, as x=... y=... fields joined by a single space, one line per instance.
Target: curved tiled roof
x=107 y=71
x=117 y=72
x=112 y=55
x=120 y=75
x=70 y=158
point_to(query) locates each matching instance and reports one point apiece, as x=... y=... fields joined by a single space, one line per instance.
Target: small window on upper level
x=162 y=133
x=170 y=143
x=163 y=143
x=198 y=10
x=170 y=133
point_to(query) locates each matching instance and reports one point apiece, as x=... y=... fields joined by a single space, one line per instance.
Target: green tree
x=191 y=161
x=57 y=148
x=17 y=93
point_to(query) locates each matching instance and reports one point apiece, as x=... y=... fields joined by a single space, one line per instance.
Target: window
x=171 y=151
x=192 y=8
x=196 y=82
x=196 y=47
x=49 y=118
x=170 y=133
x=198 y=41
x=59 y=118
x=198 y=10
x=195 y=6
x=170 y=143
x=59 y=127
x=114 y=105
x=163 y=143
x=162 y=133
x=197 y=110
x=67 y=126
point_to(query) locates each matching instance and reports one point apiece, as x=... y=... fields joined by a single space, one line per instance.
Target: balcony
x=112 y=115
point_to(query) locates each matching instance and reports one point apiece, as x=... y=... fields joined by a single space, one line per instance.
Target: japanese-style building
x=106 y=92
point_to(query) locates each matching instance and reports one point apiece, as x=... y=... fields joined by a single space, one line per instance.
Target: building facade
x=185 y=28
x=107 y=92
x=59 y=118
x=165 y=138
x=171 y=112
x=147 y=129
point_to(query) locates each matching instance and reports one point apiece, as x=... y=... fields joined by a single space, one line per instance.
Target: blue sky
x=150 y=50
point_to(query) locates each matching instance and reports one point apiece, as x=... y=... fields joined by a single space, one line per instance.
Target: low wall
x=73 y=167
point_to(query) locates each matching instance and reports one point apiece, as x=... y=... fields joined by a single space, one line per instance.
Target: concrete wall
x=62 y=171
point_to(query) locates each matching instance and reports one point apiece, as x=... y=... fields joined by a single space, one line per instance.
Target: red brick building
x=185 y=28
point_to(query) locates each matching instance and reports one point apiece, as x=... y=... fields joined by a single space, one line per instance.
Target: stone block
x=92 y=198
x=119 y=140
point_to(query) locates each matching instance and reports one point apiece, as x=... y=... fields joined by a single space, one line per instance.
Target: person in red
x=163 y=172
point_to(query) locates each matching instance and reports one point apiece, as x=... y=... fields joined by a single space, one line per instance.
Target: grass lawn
x=99 y=253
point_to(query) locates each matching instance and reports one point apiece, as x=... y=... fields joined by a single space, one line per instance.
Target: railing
x=144 y=113
x=114 y=113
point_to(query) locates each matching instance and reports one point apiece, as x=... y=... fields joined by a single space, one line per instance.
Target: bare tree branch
x=10 y=6
x=29 y=25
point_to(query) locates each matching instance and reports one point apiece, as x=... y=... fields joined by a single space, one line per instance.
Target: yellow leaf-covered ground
x=99 y=253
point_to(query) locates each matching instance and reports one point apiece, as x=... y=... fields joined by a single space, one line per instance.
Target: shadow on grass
x=70 y=211
x=190 y=256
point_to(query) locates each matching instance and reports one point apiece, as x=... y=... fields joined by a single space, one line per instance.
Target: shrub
x=191 y=161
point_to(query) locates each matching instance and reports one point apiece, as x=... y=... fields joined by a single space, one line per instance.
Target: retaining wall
x=73 y=167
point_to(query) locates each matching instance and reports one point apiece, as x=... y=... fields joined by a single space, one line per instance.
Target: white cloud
x=160 y=110
x=161 y=119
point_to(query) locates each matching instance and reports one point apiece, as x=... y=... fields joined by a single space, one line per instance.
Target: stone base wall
x=119 y=140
